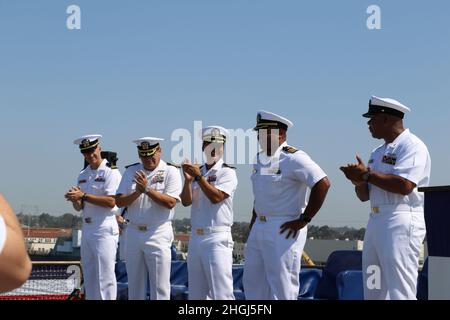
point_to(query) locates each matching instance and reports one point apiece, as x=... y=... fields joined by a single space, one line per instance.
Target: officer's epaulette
x=289 y=149
x=132 y=165
x=109 y=165
x=173 y=165
x=228 y=166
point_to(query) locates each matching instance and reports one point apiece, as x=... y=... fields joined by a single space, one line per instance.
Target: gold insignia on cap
x=145 y=145
x=85 y=143
x=215 y=132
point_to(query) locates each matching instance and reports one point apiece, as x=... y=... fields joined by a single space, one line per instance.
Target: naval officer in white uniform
x=150 y=190
x=210 y=189
x=95 y=196
x=396 y=227
x=281 y=179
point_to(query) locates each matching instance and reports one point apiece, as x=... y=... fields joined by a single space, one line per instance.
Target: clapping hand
x=141 y=181
x=355 y=171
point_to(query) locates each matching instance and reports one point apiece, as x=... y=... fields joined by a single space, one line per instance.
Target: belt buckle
x=263 y=218
x=200 y=232
x=88 y=220
x=376 y=210
x=142 y=228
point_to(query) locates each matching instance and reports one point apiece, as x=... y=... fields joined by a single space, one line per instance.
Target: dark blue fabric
x=179 y=273
x=122 y=290
x=121 y=271
x=437 y=220
x=238 y=272
x=338 y=261
x=122 y=280
x=350 y=285
x=238 y=286
x=179 y=280
x=422 y=282
x=309 y=279
x=173 y=251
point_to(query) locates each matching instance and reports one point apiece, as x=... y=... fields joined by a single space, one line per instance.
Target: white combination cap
x=215 y=134
x=147 y=146
x=88 y=142
x=270 y=120
x=386 y=105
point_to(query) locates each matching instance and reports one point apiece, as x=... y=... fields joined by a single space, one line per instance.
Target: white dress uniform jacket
x=100 y=233
x=396 y=227
x=210 y=258
x=280 y=186
x=149 y=233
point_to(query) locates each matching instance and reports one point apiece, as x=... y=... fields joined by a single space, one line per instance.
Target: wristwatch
x=197 y=178
x=366 y=176
x=83 y=198
x=305 y=218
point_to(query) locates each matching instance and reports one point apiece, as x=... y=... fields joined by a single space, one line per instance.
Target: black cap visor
x=374 y=109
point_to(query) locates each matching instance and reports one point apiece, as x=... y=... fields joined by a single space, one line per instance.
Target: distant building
x=41 y=241
x=181 y=242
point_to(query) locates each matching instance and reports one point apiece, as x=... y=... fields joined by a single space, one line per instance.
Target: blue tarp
x=341 y=278
x=309 y=279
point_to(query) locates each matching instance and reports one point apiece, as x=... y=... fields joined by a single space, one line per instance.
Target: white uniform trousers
x=148 y=255
x=391 y=255
x=210 y=265
x=272 y=262
x=98 y=259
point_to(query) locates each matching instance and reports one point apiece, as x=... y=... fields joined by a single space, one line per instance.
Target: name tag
x=270 y=171
x=82 y=181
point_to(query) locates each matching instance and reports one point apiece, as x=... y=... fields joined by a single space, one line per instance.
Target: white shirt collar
x=399 y=138
x=264 y=158
x=161 y=165
x=101 y=166
x=216 y=166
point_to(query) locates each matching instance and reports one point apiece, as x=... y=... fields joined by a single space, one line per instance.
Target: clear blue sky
x=139 y=68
